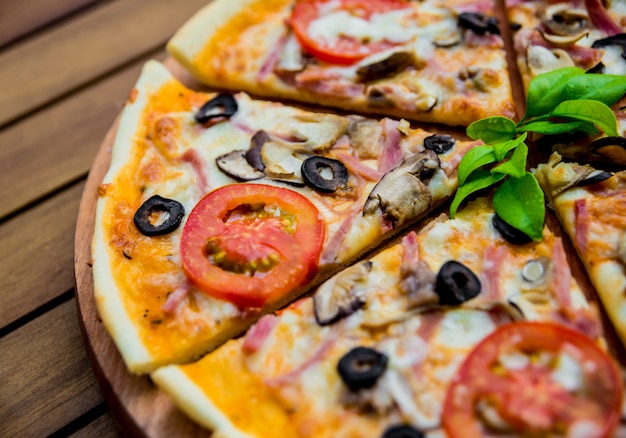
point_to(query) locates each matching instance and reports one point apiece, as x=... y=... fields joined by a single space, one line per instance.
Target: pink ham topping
x=258 y=334
x=391 y=155
x=600 y=17
x=192 y=157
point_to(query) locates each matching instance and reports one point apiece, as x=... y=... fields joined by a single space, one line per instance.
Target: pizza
x=435 y=60
x=279 y=267
x=453 y=329
x=588 y=201
x=218 y=208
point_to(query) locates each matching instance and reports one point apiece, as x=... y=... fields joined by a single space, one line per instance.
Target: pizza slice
x=218 y=208
x=435 y=60
x=552 y=35
x=589 y=202
x=452 y=328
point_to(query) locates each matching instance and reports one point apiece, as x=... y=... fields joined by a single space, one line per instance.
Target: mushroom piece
x=402 y=193
x=283 y=161
x=563 y=40
x=318 y=131
x=557 y=176
x=563 y=20
x=365 y=136
x=417 y=282
x=253 y=154
x=392 y=64
x=541 y=59
x=342 y=295
x=235 y=165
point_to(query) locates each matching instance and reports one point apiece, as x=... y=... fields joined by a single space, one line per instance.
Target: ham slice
x=174 y=299
x=192 y=157
x=256 y=336
x=600 y=17
x=391 y=155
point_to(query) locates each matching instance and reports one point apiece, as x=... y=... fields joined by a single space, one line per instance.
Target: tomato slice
x=343 y=50
x=251 y=244
x=534 y=379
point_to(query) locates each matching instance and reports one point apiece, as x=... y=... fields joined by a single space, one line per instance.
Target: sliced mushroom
x=402 y=194
x=563 y=41
x=283 y=161
x=384 y=95
x=449 y=39
x=342 y=295
x=564 y=20
x=365 y=136
x=541 y=59
x=555 y=176
x=253 y=154
x=392 y=64
x=318 y=131
x=417 y=282
x=235 y=165
x=508 y=309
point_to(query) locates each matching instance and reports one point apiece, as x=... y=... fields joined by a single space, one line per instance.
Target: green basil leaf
x=544 y=91
x=607 y=89
x=501 y=149
x=475 y=158
x=548 y=127
x=478 y=180
x=520 y=203
x=516 y=165
x=492 y=129
x=588 y=111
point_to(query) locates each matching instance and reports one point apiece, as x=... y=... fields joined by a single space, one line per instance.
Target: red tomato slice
x=344 y=50
x=251 y=244
x=487 y=396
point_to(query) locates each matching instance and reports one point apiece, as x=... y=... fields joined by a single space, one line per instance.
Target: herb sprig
x=560 y=101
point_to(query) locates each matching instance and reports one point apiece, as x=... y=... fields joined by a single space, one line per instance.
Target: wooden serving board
x=138 y=406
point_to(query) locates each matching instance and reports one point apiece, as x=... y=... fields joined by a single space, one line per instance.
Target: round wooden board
x=137 y=405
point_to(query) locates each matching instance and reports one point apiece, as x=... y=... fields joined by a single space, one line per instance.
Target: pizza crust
x=115 y=316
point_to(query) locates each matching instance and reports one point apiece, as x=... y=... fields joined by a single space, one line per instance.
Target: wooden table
x=66 y=67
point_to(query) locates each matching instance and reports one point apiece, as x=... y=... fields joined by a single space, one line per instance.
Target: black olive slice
x=456 y=283
x=439 y=143
x=324 y=174
x=595 y=177
x=222 y=105
x=479 y=23
x=235 y=165
x=598 y=68
x=612 y=149
x=615 y=40
x=361 y=367
x=169 y=212
x=402 y=431
x=509 y=233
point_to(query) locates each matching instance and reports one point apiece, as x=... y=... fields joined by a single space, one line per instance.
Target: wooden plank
x=50 y=65
x=57 y=145
x=19 y=18
x=37 y=253
x=46 y=379
x=103 y=427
